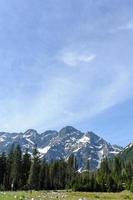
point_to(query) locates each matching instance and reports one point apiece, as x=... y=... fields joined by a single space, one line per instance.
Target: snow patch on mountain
x=84 y=140
x=44 y=150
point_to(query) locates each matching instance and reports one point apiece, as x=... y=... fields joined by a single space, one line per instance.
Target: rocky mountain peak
x=55 y=145
x=67 y=131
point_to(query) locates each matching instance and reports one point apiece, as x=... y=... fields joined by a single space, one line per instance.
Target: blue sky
x=67 y=63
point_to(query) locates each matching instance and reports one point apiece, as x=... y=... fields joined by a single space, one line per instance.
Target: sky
x=67 y=63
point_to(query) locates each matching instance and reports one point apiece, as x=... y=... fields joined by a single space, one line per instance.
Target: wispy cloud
x=69 y=99
x=65 y=102
x=73 y=58
x=123 y=27
x=127 y=26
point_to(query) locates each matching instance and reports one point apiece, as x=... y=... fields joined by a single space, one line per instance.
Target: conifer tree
x=26 y=164
x=33 y=180
x=2 y=168
x=8 y=178
x=44 y=178
x=16 y=168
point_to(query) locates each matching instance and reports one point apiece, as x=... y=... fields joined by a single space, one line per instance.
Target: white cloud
x=128 y=26
x=73 y=58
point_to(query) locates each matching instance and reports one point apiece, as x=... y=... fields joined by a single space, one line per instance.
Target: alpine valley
x=53 y=145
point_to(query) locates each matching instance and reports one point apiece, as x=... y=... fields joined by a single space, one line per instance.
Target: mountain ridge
x=54 y=145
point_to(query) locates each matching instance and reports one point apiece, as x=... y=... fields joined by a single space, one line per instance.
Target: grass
x=54 y=195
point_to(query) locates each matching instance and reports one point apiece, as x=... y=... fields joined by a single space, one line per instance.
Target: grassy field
x=54 y=195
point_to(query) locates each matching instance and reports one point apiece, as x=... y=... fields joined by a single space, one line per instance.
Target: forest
x=23 y=171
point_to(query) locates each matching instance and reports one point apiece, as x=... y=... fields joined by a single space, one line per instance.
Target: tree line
x=23 y=171
x=113 y=175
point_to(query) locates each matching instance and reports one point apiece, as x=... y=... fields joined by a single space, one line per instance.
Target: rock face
x=54 y=145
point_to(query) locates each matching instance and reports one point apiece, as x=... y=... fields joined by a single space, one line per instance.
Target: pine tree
x=2 y=169
x=44 y=182
x=117 y=173
x=72 y=162
x=103 y=173
x=16 y=168
x=8 y=178
x=71 y=168
x=33 y=180
x=26 y=164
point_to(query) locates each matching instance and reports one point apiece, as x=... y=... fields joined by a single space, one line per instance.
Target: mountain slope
x=127 y=153
x=54 y=145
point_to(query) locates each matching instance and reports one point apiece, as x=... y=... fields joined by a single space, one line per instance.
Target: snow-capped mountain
x=54 y=145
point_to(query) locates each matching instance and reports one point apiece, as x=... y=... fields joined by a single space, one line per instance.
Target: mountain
x=54 y=145
x=127 y=153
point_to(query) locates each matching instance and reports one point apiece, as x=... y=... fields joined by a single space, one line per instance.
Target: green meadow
x=54 y=195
